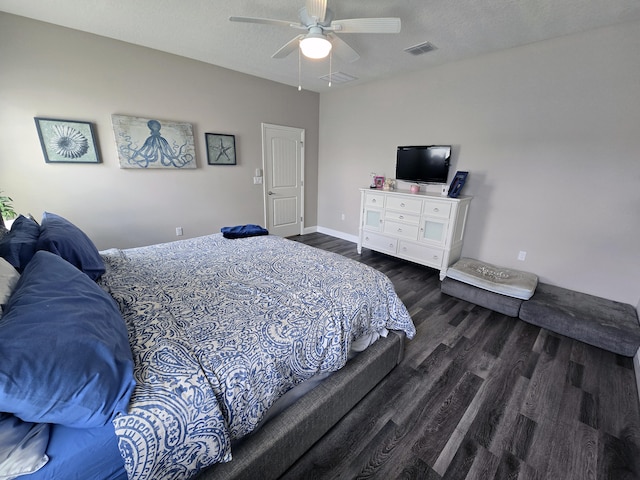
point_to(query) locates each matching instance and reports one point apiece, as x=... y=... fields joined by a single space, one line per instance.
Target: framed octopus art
x=153 y=143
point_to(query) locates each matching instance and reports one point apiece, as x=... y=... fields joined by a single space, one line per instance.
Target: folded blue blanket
x=242 y=231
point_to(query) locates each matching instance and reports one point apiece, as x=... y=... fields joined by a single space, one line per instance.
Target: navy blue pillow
x=19 y=244
x=243 y=231
x=64 y=348
x=58 y=235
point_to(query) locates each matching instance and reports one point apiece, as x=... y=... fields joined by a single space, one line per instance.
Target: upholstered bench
x=600 y=322
x=496 y=288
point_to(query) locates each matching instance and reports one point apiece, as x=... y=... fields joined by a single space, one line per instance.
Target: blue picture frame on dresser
x=457 y=183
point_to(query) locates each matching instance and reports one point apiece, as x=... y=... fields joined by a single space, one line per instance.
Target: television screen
x=423 y=164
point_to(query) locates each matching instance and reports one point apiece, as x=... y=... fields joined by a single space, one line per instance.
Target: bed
x=212 y=335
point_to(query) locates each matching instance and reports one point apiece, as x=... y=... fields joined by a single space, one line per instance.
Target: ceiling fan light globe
x=315 y=47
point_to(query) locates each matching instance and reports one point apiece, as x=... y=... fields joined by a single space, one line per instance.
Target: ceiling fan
x=320 y=38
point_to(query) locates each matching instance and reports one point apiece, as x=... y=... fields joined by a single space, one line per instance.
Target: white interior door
x=283 y=162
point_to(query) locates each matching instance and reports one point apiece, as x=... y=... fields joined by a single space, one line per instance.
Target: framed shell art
x=67 y=141
x=152 y=143
x=221 y=149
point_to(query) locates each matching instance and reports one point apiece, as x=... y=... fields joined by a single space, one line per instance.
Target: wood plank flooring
x=480 y=395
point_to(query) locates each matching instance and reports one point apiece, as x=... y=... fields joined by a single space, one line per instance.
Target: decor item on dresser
x=457 y=183
x=221 y=149
x=213 y=354
x=389 y=184
x=153 y=143
x=422 y=227
x=67 y=141
x=379 y=181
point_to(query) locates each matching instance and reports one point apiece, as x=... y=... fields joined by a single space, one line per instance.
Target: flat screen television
x=423 y=164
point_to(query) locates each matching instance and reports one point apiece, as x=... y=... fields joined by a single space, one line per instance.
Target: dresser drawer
x=403 y=204
x=372 y=199
x=379 y=243
x=421 y=254
x=401 y=229
x=436 y=209
x=402 y=217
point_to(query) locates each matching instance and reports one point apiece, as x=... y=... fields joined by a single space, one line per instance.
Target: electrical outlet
x=257 y=180
x=522 y=255
x=178 y=231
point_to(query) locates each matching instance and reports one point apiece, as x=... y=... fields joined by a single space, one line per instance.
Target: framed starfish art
x=67 y=141
x=221 y=149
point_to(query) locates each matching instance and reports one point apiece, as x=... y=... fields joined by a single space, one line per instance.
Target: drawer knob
x=402 y=205
x=436 y=209
x=391 y=245
x=373 y=200
x=435 y=257
x=366 y=238
x=399 y=230
x=401 y=217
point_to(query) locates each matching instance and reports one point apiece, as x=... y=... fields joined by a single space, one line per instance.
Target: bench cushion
x=494 y=301
x=501 y=280
x=597 y=321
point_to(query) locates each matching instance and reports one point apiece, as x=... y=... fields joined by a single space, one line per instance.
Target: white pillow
x=8 y=279
x=22 y=446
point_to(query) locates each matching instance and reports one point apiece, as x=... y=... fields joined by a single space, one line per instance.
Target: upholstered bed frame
x=276 y=446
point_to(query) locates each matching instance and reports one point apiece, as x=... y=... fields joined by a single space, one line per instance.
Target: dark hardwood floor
x=480 y=395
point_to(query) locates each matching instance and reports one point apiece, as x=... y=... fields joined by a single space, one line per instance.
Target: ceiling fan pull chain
x=299 y=70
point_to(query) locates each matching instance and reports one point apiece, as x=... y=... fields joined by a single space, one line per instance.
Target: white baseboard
x=338 y=234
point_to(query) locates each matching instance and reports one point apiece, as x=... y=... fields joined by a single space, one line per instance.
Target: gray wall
x=61 y=73
x=550 y=135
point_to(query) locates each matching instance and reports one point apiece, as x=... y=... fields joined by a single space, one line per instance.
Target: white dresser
x=425 y=228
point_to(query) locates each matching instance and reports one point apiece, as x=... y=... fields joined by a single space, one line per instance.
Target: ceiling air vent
x=338 y=77
x=421 y=48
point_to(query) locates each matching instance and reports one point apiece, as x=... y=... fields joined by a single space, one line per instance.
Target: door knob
x=270 y=192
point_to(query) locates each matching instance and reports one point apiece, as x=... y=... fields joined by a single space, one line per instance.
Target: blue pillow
x=60 y=236
x=19 y=244
x=23 y=446
x=243 y=231
x=64 y=348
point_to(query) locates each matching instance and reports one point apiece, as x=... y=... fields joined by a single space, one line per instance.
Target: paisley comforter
x=220 y=329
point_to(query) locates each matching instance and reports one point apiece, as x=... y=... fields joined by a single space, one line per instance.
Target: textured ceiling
x=200 y=29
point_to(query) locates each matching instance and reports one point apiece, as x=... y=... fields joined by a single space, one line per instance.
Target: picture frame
x=379 y=182
x=146 y=143
x=67 y=141
x=457 y=183
x=221 y=149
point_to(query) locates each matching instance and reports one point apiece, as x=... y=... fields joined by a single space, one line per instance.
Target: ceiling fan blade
x=317 y=9
x=266 y=21
x=342 y=49
x=288 y=47
x=367 y=25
